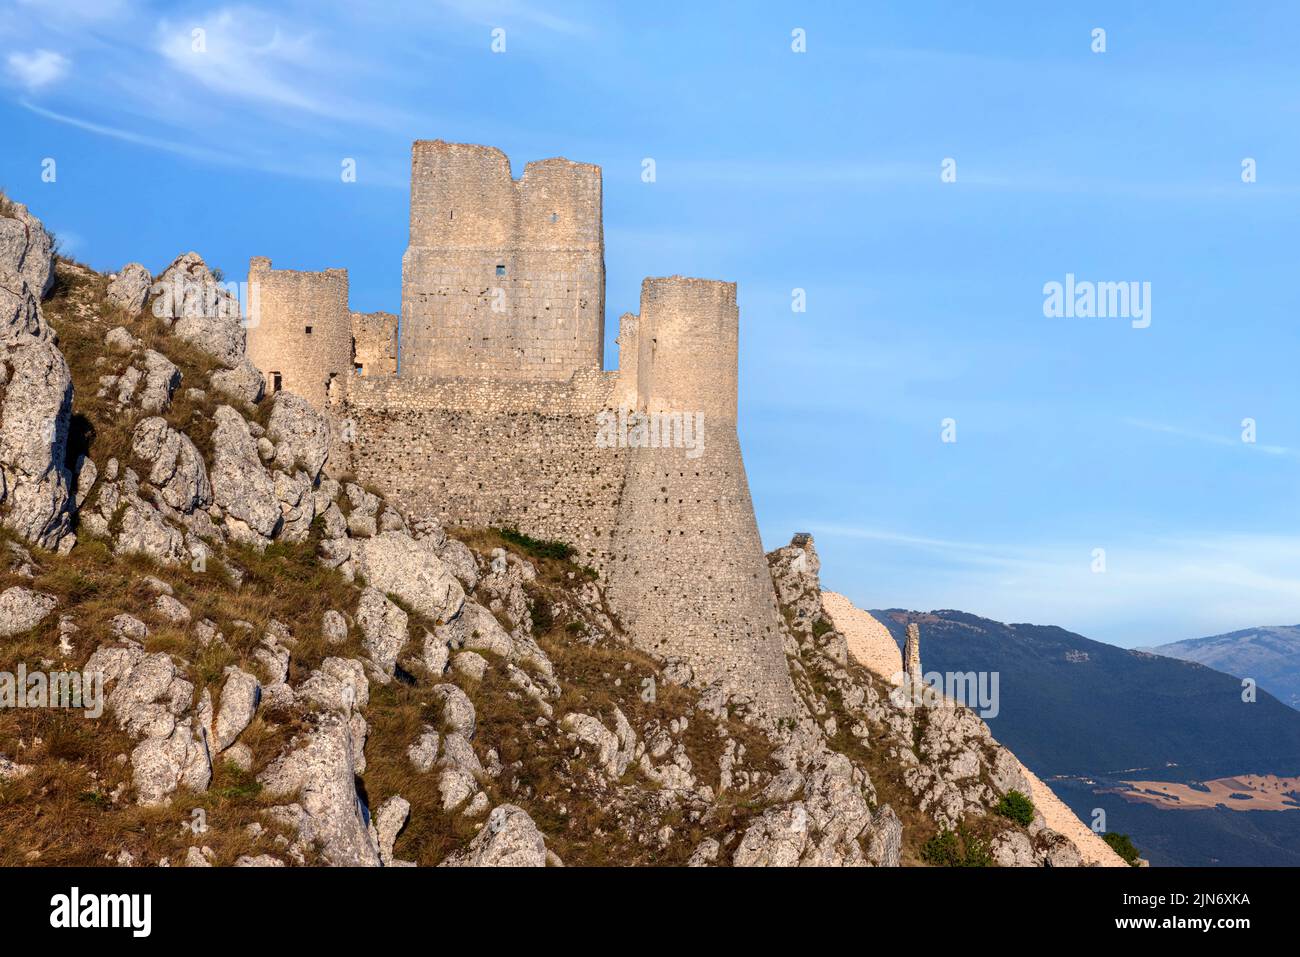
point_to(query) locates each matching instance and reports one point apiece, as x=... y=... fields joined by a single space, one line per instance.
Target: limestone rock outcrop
x=201 y=310
x=26 y=249
x=35 y=412
x=509 y=839
x=130 y=288
x=240 y=486
x=396 y=563
x=321 y=776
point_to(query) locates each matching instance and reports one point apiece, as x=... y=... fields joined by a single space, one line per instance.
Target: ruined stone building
x=488 y=404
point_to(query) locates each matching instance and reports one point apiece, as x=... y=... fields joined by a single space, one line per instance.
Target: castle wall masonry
x=501 y=413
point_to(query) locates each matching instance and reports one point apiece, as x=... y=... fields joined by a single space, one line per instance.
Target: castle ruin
x=488 y=404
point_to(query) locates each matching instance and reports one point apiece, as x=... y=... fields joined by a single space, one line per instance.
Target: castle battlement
x=464 y=197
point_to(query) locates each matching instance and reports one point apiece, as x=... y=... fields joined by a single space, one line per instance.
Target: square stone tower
x=503 y=278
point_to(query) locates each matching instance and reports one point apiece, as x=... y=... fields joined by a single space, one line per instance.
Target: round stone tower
x=688 y=575
x=300 y=331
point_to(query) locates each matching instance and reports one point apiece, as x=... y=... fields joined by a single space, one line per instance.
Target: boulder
x=383 y=630
x=130 y=288
x=171 y=609
x=87 y=474
x=339 y=684
x=35 y=411
x=395 y=563
x=322 y=775
x=239 y=699
x=300 y=434
x=144 y=531
x=243 y=382
x=21 y=320
x=160 y=764
x=476 y=629
x=203 y=311
x=148 y=695
x=1061 y=851
x=1013 y=849
x=611 y=754
x=508 y=839
x=161 y=378
x=470 y=664
x=425 y=750
x=243 y=489
x=119 y=339
x=334 y=627
x=297 y=505
x=458 y=713
x=776 y=839
x=22 y=609
x=388 y=823
x=176 y=468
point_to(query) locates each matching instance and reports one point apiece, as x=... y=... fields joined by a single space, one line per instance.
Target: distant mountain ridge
x=1086 y=716
x=1270 y=655
x=1074 y=706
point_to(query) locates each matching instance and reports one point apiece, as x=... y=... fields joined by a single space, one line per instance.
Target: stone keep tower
x=502 y=278
x=688 y=574
x=300 y=331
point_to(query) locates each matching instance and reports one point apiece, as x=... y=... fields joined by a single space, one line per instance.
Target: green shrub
x=537 y=547
x=1122 y=845
x=1016 y=807
x=956 y=849
x=942 y=850
x=543 y=617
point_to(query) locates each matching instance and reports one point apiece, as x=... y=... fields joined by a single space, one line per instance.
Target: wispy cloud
x=1211 y=438
x=126 y=136
x=38 y=69
x=243 y=53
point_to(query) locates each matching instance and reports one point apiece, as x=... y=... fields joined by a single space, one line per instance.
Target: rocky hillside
x=297 y=673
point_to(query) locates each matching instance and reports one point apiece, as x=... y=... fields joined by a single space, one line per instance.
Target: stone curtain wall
x=374 y=343
x=283 y=304
x=493 y=453
x=502 y=278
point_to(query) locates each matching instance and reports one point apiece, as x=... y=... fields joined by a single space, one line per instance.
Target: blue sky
x=820 y=171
